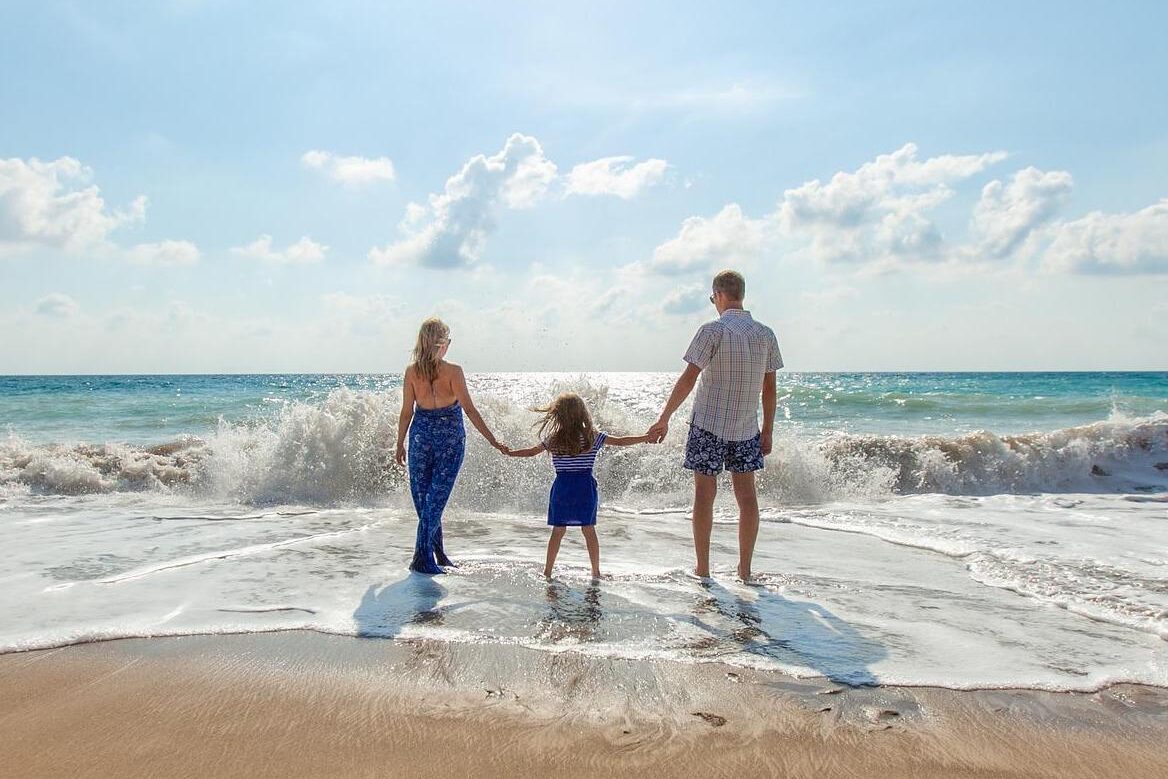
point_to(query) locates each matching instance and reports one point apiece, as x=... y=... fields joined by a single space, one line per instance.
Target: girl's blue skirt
x=574 y=500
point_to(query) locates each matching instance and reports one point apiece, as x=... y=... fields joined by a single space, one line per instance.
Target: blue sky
x=213 y=186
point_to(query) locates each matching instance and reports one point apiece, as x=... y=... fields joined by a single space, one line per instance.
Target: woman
x=434 y=396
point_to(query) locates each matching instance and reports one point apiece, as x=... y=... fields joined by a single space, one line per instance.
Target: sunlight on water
x=1025 y=551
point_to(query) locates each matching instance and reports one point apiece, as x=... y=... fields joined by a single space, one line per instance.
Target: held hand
x=503 y=448
x=765 y=442
x=657 y=431
x=400 y=455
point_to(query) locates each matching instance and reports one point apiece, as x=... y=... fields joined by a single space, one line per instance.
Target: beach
x=304 y=704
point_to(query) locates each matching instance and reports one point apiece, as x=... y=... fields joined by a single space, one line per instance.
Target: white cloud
x=57 y=305
x=614 y=176
x=452 y=229
x=362 y=315
x=1112 y=243
x=353 y=171
x=829 y=297
x=727 y=238
x=1008 y=214
x=163 y=253
x=878 y=212
x=698 y=95
x=303 y=252
x=46 y=204
x=738 y=96
x=686 y=300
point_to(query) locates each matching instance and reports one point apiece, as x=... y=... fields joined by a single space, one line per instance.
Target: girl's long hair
x=566 y=427
x=430 y=337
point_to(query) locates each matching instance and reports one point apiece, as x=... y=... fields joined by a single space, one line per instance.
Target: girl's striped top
x=578 y=463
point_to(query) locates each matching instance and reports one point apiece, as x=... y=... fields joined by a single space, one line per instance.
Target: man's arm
x=768 y=411
x=681 y=389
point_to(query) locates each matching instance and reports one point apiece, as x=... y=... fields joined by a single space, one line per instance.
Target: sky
x=213 y=187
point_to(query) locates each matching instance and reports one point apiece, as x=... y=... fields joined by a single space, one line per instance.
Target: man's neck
x=732 y=307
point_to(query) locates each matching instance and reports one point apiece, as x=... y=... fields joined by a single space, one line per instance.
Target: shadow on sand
x=794 y=633
x=383 y=612
x=571 y=615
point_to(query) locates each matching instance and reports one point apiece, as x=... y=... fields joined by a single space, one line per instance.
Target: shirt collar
x=736 y=312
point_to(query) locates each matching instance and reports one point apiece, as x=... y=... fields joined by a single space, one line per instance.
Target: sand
x=305 y=704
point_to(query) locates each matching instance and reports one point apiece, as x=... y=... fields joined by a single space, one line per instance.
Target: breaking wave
x=339 y=451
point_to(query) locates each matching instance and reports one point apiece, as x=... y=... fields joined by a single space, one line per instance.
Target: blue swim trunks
x=707 y=453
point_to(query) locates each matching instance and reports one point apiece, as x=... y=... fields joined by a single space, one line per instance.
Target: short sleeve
x=701 y=349
x=774 y=356
x=601 y=437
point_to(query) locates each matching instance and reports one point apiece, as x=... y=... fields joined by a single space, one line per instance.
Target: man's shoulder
x=708 y=328
x=764 y=329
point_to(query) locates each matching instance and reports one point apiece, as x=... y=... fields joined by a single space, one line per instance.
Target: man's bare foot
x=744 y=575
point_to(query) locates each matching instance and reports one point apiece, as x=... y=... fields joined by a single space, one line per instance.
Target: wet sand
x=305 y=704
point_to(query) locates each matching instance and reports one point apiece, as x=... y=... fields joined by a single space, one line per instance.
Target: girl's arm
x=472 y=413
x=405 y=417
x=529 y=452
x=627 y=440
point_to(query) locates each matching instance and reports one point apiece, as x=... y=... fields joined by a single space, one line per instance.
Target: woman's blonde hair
x=431 y=336
x=566 y=427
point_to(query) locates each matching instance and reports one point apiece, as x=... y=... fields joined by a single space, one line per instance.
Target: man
x=736 y=358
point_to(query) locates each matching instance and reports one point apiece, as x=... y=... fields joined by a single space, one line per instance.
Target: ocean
x=959 y=530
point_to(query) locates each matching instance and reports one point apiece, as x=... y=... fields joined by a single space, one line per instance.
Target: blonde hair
x=566 y=427
x=431 y=335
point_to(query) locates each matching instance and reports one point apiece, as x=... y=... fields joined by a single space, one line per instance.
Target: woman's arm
x=405 y=417
x=531 y=451
x=627 y=440
x=472 y=413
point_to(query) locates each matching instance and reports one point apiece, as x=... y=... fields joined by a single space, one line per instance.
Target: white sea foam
x=339 y=451
x=968 y=560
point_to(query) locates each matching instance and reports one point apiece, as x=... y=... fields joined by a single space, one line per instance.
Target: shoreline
x=297 y=702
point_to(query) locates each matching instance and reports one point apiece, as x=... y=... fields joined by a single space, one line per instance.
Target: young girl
x=567 y=433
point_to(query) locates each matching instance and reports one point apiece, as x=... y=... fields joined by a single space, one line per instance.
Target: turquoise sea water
x=962 y=530
x=157 y=409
